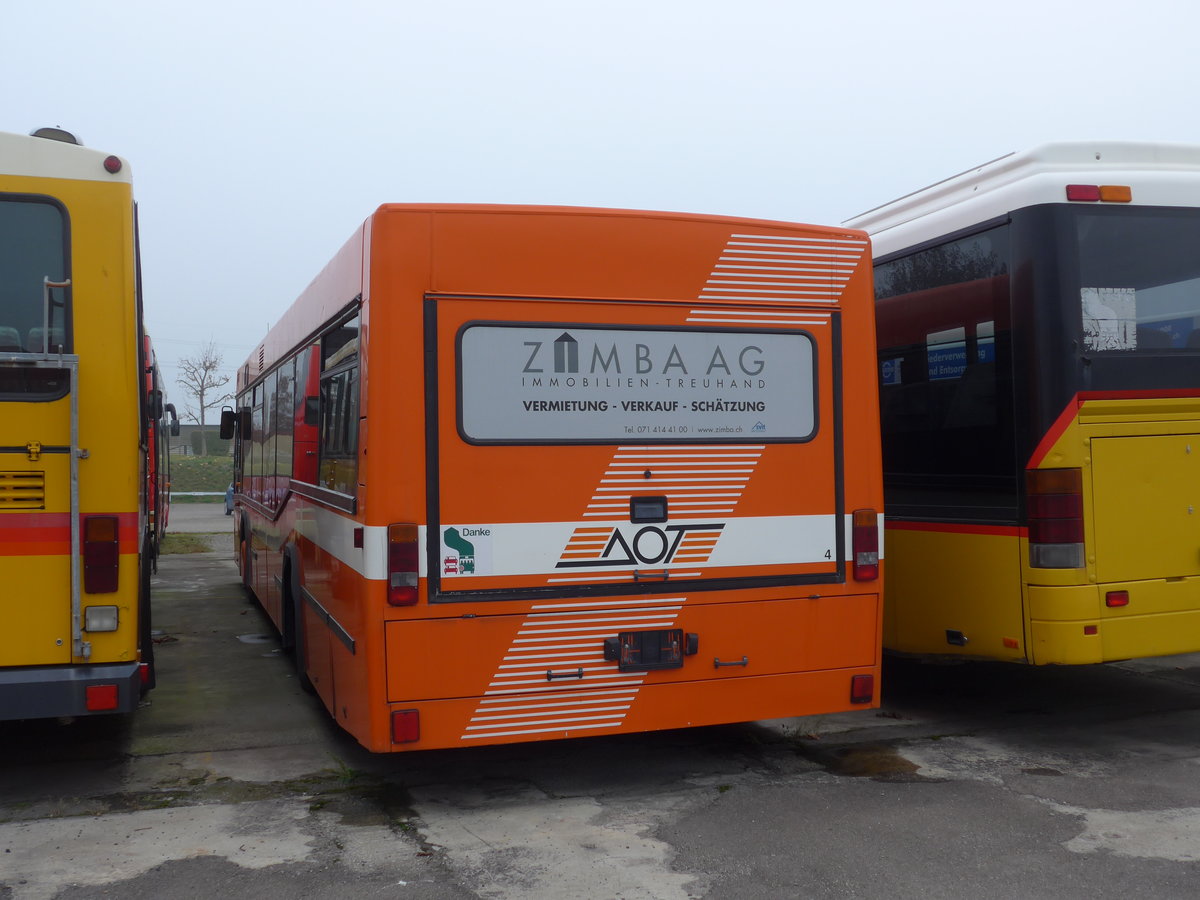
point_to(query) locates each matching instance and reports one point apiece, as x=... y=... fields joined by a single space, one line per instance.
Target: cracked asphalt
x=980 y=780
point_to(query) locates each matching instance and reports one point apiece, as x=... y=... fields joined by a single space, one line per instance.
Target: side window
x=269 y=490
x=943 y=328
x=338 y=441
x=306 y=417
x=256 y=446
x=284 y=427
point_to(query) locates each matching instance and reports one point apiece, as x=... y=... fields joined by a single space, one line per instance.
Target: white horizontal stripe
x=568 y=681
x=649 y=616
x=783 y=314
x=593 y=660
x=857 y=241
x=630 y=607
x=647 y=602
x=552 y=721
x=815 y=254
x=515 y=717
x=798 y=299
x=590 y=578
x=798 y=283
x=715 y=476
x=557 y=700
x=734 y=468
x=816 y=245
x=816 y=270
x=599 y=617
x=519 y=653
x=492 y=734
x=763 y=291
x=631 y=448
x=757 y=321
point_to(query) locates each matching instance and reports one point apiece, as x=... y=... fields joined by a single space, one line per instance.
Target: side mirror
x=173 y=429
x=154 y=405
x=228 y=423
x=312 y=410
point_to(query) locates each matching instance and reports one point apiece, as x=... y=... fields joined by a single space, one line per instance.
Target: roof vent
x=57 y=134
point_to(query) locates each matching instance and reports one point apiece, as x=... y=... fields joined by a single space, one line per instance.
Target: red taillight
x=1086 y=192
x=1115 y=599
x=864 y=543
x=403 y=568
x=112 y=164
x=144 y=673
x=101 y=697
x=862 y=688
x=1054 y=512
x=101 y=554
x=406 y=726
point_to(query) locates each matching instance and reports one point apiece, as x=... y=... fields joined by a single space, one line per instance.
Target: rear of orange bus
x=579 y=472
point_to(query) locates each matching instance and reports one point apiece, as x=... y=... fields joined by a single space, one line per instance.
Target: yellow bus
x=1039 y=335
x=74 y=416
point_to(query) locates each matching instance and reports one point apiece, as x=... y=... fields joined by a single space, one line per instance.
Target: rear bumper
x=1072 y=624
x=41 y=692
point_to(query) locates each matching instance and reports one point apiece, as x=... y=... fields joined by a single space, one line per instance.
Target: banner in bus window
x=946 y=352
x=1109 y=318
x=531 y=383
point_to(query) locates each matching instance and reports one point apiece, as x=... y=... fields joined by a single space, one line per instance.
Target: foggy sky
x=261 y=134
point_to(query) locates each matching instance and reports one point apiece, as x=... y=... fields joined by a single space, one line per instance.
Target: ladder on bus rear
x=69 y=363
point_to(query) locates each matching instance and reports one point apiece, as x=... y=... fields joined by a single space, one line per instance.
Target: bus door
x=36 y=506
x=1146 y=506
x=607 y=465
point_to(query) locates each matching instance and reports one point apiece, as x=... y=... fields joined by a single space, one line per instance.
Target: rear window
x=544 y=383
x=32 y=249
x=1139 y=279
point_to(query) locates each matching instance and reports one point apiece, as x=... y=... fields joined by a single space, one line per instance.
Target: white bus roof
x=1159 y=175
x=37 y=157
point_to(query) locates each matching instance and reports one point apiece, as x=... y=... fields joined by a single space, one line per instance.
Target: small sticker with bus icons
x=466 y=550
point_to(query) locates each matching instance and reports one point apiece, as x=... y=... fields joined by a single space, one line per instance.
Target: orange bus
x=522 y=473
x=75 y=424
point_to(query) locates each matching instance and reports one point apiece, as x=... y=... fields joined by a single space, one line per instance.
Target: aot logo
x=649 y=545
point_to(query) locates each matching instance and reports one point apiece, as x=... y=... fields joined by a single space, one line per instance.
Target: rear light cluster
x=864 y=542
x=1100 y=193
x=1054 y=505
x=403 y=569
x=862 y=688
x=101 y=554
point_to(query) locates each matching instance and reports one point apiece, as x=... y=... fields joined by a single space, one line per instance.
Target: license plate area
x=648 y=651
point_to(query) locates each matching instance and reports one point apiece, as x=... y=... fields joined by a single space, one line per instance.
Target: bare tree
x=200 y=376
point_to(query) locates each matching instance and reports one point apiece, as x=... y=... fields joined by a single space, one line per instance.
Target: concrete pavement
x=987 y=781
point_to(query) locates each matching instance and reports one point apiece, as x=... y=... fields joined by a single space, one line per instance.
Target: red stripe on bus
x=49 y=534
x=957 y=528
x=1071 y=410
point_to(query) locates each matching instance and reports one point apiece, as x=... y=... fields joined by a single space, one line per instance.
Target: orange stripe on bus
x=49 y=534
x=1071 y=410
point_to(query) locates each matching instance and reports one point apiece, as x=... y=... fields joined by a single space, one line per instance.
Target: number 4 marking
x=829 y=554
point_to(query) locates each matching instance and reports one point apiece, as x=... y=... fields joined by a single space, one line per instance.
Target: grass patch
x=184 y=543
x=201 y=473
